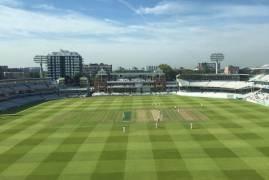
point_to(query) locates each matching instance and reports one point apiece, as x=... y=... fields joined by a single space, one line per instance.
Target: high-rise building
x=64 y=64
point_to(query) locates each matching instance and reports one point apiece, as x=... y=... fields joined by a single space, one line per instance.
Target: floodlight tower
x=217 y=57
x=41 y=60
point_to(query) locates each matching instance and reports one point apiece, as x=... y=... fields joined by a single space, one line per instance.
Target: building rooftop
x=266 y=66
x=64 y=53
x=102 y=72
x=138 y=72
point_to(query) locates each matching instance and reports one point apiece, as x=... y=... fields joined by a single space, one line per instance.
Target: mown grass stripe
x=22 y=148
x=229 y=140
x=59 y=156
x=118 y=156
x=25 y=123
x=162 y=156
x=36 y=127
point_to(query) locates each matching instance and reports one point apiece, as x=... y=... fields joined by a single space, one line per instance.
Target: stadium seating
x=221 y=95
x=217 y=84
x=15 y=93
x=235 y=89
x=260 y=78
x=258 y=97
x=261 y=81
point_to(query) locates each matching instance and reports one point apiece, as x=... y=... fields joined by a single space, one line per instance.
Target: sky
x=136 y=32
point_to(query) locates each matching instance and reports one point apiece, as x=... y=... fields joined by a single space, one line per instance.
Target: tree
x=189 y=71
x=170 y=73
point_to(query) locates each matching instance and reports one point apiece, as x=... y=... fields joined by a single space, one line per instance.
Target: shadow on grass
x=15 y=110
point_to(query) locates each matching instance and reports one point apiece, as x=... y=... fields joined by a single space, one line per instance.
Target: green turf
x=83 y=139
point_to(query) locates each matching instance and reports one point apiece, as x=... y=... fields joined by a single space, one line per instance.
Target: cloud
x=18 y=22
x=12 y=3
x=127 y=4
x=46 y=7
x=131 y=7
x=186 y=9
x=163 y=8
x=241 y=10
x=192 y=33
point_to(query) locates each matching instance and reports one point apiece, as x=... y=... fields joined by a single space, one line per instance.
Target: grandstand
x=258 y=97
x=19 y=92
x=261 y=81
x=224 y=85
x=74 y=92
x=261 y=70
x=260 y=78
x=130 y=82
x=237 y=84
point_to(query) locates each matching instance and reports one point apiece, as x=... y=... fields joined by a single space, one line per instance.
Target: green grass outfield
x=83 y=139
